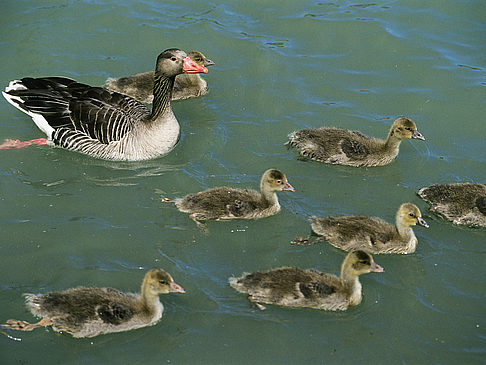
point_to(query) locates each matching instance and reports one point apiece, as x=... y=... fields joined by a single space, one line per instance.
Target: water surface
x=68 y=220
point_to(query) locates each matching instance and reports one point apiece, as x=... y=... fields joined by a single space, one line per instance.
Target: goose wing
x=354 y=149
x=61 y=102
x=316 y=289
x=241 y=207
x=114 y=313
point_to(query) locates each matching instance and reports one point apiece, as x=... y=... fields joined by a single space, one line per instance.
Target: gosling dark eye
x=279 y=181
x=162 y=282
x=411 y=215
x=409 y=129
x=174 y=59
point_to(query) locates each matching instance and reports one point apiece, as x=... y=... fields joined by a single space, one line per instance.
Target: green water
x=68 y=220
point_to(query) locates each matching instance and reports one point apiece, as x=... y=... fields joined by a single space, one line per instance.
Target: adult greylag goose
x=103 y=123
x=369 y=233
x=223 y=202
x=89 y=312
x=461 y=203
x=344 y=147
x=296 y=287
x=141 y=86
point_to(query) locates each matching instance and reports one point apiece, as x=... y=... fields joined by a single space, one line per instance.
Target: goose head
x=158 y=281
x=275 y=180
x=409 y=215
x=359 y=262
x=200 y=59
x=403 y=128
x=173 y=62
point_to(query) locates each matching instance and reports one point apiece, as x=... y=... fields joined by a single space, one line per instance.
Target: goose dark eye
x=174 y=59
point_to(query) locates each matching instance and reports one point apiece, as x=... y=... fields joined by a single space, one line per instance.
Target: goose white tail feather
x=17 y=101
x=15 y=85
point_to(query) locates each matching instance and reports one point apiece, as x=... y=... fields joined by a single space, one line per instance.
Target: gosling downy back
x=345 y=147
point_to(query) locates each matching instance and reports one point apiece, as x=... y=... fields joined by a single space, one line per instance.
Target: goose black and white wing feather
x=71 y=113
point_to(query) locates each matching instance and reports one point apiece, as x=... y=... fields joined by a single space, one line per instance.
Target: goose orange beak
x=191 y=67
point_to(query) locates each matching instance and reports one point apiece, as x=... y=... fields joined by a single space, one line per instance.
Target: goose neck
x=268 y=195
x=352 y=285
x=162 y=95
x=392 y=143
x=348 y=277
x=405 y=231
x=150 y=301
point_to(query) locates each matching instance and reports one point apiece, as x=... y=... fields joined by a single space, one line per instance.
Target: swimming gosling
x=295 y=287
x=223 y=203
x=370 y=233
x=89 y=312
x=352 y=148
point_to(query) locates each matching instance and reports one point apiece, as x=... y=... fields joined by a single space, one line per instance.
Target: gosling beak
x=208 y=62
x=176 y=288
x=191 y=67
x=416 y=134
x=422 y=222
x=376 y=268
x=288 y=187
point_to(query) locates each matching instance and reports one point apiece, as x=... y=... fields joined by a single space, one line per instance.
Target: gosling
x=369 y=233
x=352 y=148
x=295 y=287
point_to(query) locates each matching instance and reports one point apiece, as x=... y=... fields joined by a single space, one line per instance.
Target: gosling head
x=409 y=214
x=200 y=59
x=157 y=281
x=275 y=180
x=403 y=128
x=361 y=262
